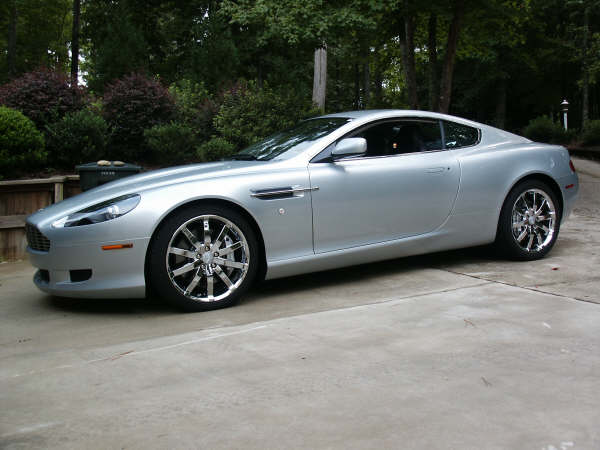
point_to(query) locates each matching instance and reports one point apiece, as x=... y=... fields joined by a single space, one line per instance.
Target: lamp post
x=565 y=110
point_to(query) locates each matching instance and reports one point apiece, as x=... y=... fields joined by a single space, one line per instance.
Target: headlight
x=108 y=210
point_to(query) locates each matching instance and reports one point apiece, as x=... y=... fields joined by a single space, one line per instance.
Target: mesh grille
x=36 y=240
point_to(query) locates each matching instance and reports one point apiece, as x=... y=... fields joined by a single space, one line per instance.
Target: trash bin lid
x=116 y=166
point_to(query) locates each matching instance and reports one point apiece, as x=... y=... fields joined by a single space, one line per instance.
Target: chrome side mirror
x=349 y=147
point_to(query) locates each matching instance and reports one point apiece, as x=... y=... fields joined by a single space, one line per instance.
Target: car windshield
x=291 y=142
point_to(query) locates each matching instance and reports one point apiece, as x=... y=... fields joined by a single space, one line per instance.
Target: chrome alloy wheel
x=533 y=220
x=207 y=258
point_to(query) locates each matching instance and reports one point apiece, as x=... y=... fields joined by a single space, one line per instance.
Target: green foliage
x=121 y=49
x=544 y=129
x=214 y=149
x=249 y=114
x=591 y=133
x=44 y=96
x=171 y=143
x=131 y=105
x=43 y=29
x=77 y=138
x=21 y=144
x=194 y=107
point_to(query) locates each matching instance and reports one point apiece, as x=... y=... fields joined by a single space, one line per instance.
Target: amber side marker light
x=116 y=246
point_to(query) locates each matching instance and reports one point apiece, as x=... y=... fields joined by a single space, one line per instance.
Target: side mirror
x=349 y=147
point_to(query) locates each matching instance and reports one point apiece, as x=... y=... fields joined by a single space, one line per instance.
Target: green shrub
x=591 y=133
x=131 y=105
x=215 y=149
x=194 y=107
x=21 y=144
x=172 y=143
x=44 y=96
x=544 y=129
x=249 y=114
x=77 y=138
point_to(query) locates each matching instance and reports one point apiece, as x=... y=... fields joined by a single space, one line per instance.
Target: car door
x=405 y=185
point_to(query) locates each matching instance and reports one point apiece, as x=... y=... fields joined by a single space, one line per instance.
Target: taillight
x=572 y=166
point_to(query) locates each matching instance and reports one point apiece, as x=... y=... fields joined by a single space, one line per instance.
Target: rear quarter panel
x=490 y=171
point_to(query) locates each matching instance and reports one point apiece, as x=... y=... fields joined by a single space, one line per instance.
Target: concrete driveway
x=451 y=350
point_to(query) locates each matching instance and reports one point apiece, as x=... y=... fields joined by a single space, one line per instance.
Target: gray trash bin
x=97 y=173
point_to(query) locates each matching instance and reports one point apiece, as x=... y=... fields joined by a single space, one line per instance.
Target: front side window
x=402 y=136
x=457 y=135
x=291 y=142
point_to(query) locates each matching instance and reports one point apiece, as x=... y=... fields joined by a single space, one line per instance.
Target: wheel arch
x=262 y=269
x=547 y=179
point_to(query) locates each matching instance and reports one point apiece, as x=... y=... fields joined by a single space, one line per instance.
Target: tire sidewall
x=505 y=240
x=158 y=277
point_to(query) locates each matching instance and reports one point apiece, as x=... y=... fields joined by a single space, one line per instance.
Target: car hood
x=150 y=180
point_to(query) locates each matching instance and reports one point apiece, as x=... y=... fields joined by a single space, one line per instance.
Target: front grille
x=35 y=239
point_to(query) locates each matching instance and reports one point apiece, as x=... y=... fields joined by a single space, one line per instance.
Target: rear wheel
x=203 y=257
x=529 y=221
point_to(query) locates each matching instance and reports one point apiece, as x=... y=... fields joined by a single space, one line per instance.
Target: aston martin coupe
x=333 y=191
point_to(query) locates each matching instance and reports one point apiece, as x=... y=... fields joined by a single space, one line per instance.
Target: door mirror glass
x=349 y=147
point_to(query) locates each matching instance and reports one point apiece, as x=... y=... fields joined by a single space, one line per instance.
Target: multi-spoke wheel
x=529 y=221
x=203 y=258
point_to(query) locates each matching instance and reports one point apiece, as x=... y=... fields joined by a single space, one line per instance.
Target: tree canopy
x=502 y=62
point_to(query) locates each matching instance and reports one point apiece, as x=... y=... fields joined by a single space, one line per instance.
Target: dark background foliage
x=165 y=82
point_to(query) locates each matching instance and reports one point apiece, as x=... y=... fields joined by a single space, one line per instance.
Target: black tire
x=518 y=219
x=182 y=275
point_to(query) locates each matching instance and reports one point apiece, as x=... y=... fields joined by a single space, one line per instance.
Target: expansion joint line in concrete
x=539 y=291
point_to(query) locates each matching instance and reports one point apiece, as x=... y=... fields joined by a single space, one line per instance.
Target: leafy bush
x=591 y=133
x=172 y=143
x=77 y=138
x=249 y=114
x=195 y=108
x=131 y=105
x=21 y=144
x=215 y=149
x=544 y=129
x=44 y=96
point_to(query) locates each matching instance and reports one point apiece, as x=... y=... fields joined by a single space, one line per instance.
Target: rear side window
x=405 y=136
x=456 y=135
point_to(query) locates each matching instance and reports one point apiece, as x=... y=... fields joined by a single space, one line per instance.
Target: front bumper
x=114 y=273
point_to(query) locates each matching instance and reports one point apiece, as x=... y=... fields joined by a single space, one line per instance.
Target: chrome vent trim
x=35 y=239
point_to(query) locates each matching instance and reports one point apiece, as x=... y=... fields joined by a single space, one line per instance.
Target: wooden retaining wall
x=19 y=199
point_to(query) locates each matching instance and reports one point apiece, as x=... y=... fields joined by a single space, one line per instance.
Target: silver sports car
x=333 y=191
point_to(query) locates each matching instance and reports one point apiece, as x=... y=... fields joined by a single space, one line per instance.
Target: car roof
x=381 y=113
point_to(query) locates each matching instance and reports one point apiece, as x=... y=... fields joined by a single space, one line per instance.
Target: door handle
x=436 y=169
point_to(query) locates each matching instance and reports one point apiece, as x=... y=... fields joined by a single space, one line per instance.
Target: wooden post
x=58 y=191
x=320 y=77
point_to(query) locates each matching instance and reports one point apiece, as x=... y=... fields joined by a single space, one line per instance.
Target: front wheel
x=203 y=257
x=529 y=221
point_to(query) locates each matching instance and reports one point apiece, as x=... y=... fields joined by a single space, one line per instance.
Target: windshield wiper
x=243 y=157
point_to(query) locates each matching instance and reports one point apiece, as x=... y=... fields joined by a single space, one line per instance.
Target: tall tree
x=407 y=46
x=434 y=94
x=12 y=38
x=75 y=43
x=458 y=7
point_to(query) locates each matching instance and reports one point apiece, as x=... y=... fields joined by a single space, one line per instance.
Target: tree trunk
x=500 y=119
x=434 y=89
x=320 y=77
x=448 y=69
x=356 y=87
x=75 y=43
x=367 y=79
x=407 y=47
x=378 y=81
x=585 y=82
x=12 y=39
